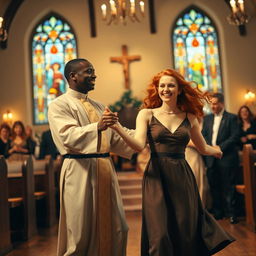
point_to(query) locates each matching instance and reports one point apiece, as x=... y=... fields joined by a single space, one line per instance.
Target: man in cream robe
x=74 y=134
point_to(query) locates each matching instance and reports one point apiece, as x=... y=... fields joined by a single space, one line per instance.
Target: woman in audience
x=247 y=125
x=5 y=141
x=20 y=148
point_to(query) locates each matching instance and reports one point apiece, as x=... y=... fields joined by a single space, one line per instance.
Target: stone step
x=126 y=180
x=132 y=199
x=135 y=207
x=131 y=189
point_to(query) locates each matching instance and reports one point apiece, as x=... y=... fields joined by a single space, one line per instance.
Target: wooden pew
x=5 y=235
x=21 y=191
x=45 y=188
x=249 y=186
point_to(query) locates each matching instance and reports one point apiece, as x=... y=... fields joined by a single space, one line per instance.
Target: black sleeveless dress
x=174 y=222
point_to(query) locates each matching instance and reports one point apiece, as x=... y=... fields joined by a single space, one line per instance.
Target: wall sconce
x=249 y=97
x=238 y=16
x=8 y=116
x=119 y=11
x=3 y=31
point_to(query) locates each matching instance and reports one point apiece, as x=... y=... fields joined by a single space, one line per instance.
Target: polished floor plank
x=45 y=243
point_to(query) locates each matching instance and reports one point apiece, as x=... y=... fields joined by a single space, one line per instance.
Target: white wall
x=238 y=53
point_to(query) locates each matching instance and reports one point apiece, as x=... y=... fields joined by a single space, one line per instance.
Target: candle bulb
x=104 y=11
x=142 y=6
x=1 y=22
x=241 y=5
x=233 y=5
x=132 y=3
x=113 y=7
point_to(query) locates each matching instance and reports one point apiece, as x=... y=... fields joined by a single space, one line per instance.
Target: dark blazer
x=47 y=146
x=227 y=139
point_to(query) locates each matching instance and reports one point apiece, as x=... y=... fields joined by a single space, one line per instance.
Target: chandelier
x=238 y=16
x=3 y=31
x=119 y=10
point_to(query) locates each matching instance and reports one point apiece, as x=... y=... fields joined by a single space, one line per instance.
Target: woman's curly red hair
x=190 y=100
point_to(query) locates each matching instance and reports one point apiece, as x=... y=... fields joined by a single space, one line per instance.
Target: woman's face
x=244 y=113
x=18 y=130
x=168 y=88
x=4 y=133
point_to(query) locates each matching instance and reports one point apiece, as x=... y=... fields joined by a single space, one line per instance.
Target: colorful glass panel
x=53 y=45
x=196 y=53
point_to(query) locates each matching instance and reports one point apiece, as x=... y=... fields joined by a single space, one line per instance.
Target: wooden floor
x=45 y=243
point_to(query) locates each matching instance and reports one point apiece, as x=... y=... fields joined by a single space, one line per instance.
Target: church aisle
x=45 y=243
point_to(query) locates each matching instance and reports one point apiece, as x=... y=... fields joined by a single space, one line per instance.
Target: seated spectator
x=5 y=141
x=30 y=139
x=47 y=146
x=19 y=148
x=247 y=126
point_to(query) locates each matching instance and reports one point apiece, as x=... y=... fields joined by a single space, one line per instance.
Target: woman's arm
x=138 y=142
x=199 y=141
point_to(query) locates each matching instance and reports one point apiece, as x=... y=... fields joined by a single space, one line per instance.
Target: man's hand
x=243 y=139
x=108 y=119
x=218 y=154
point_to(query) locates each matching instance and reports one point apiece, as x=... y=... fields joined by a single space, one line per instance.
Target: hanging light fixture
x=3 y=31
x=119 y=10
x=238 y=16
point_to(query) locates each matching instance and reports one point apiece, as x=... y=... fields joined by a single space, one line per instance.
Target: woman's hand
x=115 y=126
x=108 y=119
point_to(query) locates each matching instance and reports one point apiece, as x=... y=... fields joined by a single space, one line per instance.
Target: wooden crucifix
x=125 y=61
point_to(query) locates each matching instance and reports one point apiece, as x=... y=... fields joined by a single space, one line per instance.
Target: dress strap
x=152 y=114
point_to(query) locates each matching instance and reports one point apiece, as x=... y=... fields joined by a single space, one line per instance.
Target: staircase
x=131 y=189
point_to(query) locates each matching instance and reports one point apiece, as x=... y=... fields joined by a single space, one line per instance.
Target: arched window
x=53 y=44
x=195 y=49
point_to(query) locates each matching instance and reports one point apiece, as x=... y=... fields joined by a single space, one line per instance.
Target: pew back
x=5 y=241
x=249 y=172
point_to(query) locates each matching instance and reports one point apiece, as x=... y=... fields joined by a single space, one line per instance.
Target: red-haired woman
x=174 y=221
x=19 y=145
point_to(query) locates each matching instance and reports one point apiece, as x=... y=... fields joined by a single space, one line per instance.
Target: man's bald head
x=73 y=66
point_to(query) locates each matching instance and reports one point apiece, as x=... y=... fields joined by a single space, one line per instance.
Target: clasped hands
x=108 y=119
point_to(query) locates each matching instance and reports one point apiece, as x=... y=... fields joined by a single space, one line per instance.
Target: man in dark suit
x=47 y=146
x=220 y=129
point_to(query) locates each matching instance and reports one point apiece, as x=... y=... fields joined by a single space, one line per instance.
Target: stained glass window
x=195 y=47
x=53 y=44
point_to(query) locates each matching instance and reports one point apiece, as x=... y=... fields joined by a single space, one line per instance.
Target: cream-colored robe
x=74 y=134
x=196 y=163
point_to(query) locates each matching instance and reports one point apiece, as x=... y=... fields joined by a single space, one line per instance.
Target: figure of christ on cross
x=125 y=61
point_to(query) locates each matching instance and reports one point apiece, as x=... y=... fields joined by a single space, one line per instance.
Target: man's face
x=216 y=106
x=84 y=77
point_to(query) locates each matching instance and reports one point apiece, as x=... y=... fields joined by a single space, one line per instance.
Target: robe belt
x=81 y=156
x=167 y=154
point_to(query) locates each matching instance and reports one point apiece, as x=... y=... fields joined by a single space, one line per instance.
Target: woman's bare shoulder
x=192 y=119
x=145 y=113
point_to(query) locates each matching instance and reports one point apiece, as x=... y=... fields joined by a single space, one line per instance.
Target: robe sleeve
x=118 y=145
x=68 y=135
